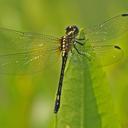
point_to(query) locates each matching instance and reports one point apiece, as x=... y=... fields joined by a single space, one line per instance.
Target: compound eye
x=76 y=30
x=72 y=29
x=68 y=28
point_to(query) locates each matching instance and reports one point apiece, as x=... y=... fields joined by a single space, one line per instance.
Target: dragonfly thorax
x=68 y=40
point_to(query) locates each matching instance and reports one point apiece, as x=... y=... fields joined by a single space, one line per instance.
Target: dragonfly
x=25 y=50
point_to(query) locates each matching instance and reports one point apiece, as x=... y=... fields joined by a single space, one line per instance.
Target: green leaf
x=86 y=97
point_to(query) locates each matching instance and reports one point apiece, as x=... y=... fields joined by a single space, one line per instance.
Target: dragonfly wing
x=24 y=52
x=104 y=55
x=101 y=41
x=111 y=29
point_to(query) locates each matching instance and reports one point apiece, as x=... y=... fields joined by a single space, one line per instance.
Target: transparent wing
x=102 y=44
x=108 y=30
x=25 y=52
x=104 y=55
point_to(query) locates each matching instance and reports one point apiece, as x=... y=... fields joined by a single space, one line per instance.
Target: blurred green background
x=27 y=101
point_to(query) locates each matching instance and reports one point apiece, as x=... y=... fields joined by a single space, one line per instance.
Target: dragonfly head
x=72 y=30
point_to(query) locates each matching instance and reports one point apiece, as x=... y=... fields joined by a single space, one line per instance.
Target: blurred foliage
x=27 y=101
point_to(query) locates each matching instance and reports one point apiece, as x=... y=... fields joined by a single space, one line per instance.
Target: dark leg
x=83 y=54
x=78 y=50
x=78 y=41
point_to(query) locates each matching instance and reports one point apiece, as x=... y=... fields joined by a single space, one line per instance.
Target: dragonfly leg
x=87 y=55
x=79 y=43
x=78 y=50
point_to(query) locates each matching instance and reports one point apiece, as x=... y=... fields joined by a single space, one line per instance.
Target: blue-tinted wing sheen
x=24 y=52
